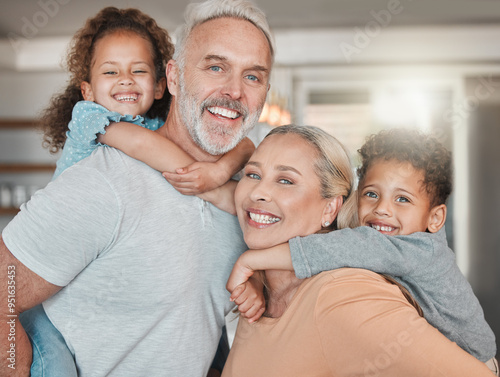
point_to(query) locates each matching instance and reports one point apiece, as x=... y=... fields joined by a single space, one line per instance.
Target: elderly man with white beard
x=131 y=272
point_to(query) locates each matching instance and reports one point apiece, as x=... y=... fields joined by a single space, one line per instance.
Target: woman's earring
x=327 y=223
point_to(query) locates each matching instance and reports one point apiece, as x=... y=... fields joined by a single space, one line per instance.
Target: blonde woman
x=345 y=322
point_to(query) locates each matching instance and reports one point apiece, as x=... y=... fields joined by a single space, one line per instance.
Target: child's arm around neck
x=190 y=177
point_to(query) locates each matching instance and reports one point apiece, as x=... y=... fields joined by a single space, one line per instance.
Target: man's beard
x=203 y=135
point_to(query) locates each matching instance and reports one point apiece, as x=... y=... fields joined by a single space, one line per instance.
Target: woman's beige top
x=347 y=322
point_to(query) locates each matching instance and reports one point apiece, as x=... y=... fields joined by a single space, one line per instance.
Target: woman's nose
x=261 y=192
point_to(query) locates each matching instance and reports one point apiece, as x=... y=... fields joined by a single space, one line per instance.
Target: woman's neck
x=281 y=286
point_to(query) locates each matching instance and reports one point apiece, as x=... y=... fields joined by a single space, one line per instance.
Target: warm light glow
x=286 y=118
x=265 y=113
x=402 y=108
x=275 y=112
x=274 y=115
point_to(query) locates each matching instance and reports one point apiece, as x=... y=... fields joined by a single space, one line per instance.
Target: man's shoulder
x=106 y=166
x=112 y=160
x=103 y=152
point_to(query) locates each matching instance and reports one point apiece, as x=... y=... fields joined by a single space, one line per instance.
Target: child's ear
x=331 y=210
x=437 y=217
x=160 y=88
x=172 y=74
x=87 y=93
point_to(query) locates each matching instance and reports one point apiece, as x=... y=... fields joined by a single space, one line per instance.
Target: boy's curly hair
x=422 y=151
x=55 y=118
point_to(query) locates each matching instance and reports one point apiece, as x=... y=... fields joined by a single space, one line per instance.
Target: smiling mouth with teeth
x=263 y=219
x=127 y=98
x=382 y=228
x=226 y=113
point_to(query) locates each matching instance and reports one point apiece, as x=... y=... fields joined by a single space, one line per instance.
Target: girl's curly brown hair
x=55 y=118
x=422 y=151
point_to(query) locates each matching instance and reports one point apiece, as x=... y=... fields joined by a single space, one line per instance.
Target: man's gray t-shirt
x=143 y=267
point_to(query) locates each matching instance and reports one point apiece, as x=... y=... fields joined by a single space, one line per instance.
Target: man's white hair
x=198 y=13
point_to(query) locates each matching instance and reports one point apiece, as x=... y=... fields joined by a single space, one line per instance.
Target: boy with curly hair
x=404 y=183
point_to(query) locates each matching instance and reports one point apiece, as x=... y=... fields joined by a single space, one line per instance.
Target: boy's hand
x=197 y=178
x=246 y=291
x=274 y=258
x=249 y=297
x=239 y=275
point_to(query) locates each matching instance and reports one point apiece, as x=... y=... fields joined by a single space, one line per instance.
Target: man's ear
x=87 y=93
x=172 y=74
x=331 y=210
x=437 y=217
x=160 y=88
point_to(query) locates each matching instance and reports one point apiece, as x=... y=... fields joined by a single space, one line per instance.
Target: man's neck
x=174 y=130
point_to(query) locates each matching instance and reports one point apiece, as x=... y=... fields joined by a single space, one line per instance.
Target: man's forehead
x=228 y=31
x=218 y=22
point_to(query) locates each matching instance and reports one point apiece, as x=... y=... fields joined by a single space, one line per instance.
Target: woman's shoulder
x=342 y=285
x=350 y=289
x=355 y=296
x=344 y=275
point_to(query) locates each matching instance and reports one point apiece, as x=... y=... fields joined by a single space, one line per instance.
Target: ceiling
x=48 y=18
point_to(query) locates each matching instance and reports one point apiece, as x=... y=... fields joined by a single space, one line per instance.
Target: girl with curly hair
x=117 y=65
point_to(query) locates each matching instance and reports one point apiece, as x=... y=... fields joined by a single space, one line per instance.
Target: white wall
x=22 y=96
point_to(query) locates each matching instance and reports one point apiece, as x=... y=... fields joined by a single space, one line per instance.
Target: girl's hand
x=197 y=178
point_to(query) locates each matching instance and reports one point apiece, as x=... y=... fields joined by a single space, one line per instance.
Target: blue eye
x=110 y=73
x=252 y=78
x=402 y=199
x=253 y=176
x=371 y=194
x=285 y=181
x=215 y=68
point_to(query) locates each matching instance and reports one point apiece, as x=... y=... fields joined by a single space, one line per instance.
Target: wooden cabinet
x=9 y=211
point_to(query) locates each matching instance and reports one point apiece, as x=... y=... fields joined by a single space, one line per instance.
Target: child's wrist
x=251 y=260
x=274 y=258
x=239 y=275
x=242 y=262
x=224 y=170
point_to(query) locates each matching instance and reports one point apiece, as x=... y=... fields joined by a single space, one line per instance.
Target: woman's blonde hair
x=333 y=167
